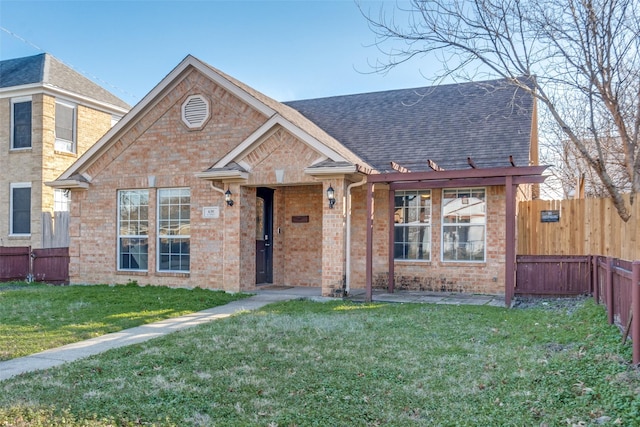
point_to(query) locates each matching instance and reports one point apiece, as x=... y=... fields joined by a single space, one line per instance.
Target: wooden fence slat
x=586 y=227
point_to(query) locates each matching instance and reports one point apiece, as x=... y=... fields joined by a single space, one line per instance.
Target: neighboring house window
x=174 y=229
x=20 y=123
x=65 y=127
x=61 y=200
x=133 y=229
x=464 y=220
x=20 y=219
x=412 y=225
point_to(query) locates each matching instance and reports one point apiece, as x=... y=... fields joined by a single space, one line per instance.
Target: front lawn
x=304 y=363
x=37 y=317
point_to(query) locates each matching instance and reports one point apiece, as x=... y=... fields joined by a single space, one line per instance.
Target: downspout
x=220 y=190
x=348 y=238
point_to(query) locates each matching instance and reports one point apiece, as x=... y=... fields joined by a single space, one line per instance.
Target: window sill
x=65 y=153
x=132 y=273
x=463 y=263
x=171 y=274
x=20 y=150
x=413 y=261
x=19 y=236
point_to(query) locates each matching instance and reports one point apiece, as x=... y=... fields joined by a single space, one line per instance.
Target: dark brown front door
x=264 y=238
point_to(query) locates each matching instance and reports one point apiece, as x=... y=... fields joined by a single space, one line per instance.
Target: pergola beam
x=396 y=167
x=433 y=165
x=458 y=174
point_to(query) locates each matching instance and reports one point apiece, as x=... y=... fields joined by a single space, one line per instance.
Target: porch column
x=232 y=240
x=333 y=238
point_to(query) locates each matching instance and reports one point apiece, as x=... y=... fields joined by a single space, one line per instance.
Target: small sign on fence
x=550 y=216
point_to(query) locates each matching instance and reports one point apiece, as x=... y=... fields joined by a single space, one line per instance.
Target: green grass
x=343 y=364
x=36 y=317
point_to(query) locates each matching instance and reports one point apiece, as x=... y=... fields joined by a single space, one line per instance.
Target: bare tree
x=581 y=59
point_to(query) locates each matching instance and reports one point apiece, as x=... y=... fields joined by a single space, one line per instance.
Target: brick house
x=49 y=116
x=207 y=182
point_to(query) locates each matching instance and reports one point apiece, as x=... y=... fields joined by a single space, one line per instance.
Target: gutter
x=347 y=251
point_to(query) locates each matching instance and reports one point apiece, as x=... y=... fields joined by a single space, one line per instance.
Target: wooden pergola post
x=510 y=244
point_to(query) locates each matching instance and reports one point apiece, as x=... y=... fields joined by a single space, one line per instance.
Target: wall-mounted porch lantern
x=331 y=195
x=227 y=198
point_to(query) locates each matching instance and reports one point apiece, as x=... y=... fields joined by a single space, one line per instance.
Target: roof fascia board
x=67 y=184
x=329 y=170
x=85 y=100
x=150 y=99
x=38 y=88
x=223 y=175
x=229 y=86
x=264 y=131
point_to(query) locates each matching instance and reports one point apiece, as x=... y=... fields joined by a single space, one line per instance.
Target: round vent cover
x=195 y=111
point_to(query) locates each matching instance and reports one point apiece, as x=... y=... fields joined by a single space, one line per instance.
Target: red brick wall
x=160 y=145
x=303 y=241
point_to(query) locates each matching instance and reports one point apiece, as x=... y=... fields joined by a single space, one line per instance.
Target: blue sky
x=285 y=49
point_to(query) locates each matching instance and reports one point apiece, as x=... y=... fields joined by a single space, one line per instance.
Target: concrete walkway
x=58 y=356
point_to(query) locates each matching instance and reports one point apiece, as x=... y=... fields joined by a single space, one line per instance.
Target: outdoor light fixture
x=331 y=195
x=227 y=197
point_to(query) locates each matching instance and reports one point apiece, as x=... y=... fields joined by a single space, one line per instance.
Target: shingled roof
x=47 y=70
x=487 y=121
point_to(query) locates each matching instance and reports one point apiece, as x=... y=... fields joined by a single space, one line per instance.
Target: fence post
x=635 y=304
x=609 y=289
x=595 y=288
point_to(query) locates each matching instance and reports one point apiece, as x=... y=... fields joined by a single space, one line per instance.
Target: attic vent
x=195 y=111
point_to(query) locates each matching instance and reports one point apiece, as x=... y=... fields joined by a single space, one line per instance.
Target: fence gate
x=42 y=265
x=14 y=263
x=560 y=275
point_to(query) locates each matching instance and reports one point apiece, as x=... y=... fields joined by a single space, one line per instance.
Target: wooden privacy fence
x=560 y=275
x=42 y=265
x=584 y=227
x=616 y=284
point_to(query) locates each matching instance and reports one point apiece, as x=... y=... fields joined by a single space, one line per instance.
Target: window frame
x=12 y=187
x=121 y=236
x=21 y=100
x=61 y=199
x=61 y=144
x=160 y=236
x=427 y=224
x=459 y=191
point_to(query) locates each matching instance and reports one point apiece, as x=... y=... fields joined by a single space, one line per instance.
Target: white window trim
x=130 y=236
x=11 y=187
x=74 y=143
x=442 y=226
x=430 y=225
x=177 y=236
x=19 y=100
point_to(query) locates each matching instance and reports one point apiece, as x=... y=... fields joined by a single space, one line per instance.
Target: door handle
x=267 y=244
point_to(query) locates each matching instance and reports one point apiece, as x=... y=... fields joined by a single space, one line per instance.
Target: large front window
x=174 y=229
x=20 y=124
x=133 y=229
x=412 y=225
x=464 y=217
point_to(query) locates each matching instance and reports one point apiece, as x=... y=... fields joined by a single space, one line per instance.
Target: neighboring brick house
x=207 y=182
x=49 y=116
